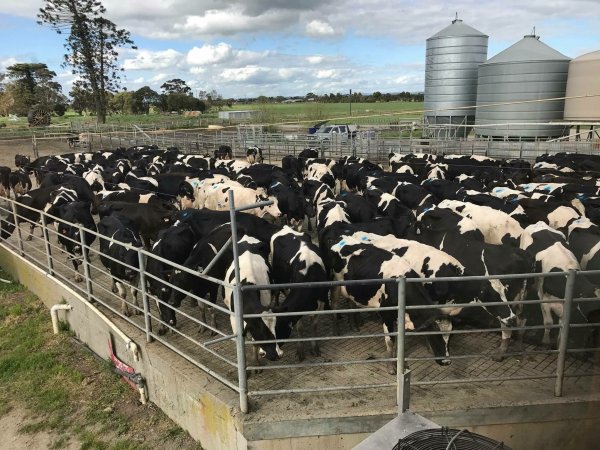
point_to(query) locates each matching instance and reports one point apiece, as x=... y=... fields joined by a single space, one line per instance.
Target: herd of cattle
x=425 y=216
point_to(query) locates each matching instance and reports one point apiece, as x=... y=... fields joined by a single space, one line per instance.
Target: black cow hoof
x=162 y=330
x=301 y=356
x=498 y=358
x=315 y=351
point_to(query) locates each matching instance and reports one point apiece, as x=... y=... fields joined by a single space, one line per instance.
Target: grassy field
x=67 y=393
x=362 y=113
x=272 y=113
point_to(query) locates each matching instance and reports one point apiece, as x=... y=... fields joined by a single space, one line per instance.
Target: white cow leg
x=255 y=358
x=547 y=316
x=134 y=295
x=506 y=334
x=390 y=350
x=123 y=295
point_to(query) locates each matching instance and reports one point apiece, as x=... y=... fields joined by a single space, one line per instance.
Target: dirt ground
x=12 y=438
x=10 y=148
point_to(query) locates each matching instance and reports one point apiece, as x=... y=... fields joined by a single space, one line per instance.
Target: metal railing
x=368 y=144
x=223 y=355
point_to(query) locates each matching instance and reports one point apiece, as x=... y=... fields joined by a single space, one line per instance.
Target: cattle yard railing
x=222 y=355
x=368 y=144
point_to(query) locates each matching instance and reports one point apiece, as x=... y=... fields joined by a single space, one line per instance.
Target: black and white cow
x=218 y=200
x=254 y=270
x=497 y=226
x=75 y=217
x=122 y=261
x=552 y=254
x=147 y=219
x=20 y=182
x=254 y=155
x=584 y=242
x=200 y=256
x=354 y=260
x=174 y=244
x=223 y=152
x=429 y=261
x=295 y=259
x=434 y=219
x=4 y=181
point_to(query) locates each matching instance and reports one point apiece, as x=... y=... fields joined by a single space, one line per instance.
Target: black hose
x=447 y=439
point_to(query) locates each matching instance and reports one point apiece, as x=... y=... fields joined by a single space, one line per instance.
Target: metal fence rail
x=372 y=145
x=223 y=355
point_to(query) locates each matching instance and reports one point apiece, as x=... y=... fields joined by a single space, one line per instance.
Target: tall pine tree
x=91 y=46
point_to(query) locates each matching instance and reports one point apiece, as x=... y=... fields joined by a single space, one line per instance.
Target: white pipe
x=54 y=314
x=129 y=344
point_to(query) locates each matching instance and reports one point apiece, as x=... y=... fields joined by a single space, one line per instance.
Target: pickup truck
x=334 y=133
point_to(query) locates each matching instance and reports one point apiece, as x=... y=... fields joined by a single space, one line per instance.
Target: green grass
x=362 y=113
x=66 y=389
x=306 y=113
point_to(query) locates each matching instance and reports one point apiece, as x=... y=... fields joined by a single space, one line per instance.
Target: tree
x=184 y=102
x=32 y=84
x=143 y=98
x=91 y=46
x=121 y=103
x=176 y=86
x=82 y=99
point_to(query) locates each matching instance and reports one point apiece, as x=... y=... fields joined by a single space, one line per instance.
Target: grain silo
x=452 y=57
x=584 y=79
x=528 y=70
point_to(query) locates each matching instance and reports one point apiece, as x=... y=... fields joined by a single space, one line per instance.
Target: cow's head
x=264 y=329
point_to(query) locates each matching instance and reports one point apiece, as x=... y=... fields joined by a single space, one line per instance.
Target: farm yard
x=354 y=359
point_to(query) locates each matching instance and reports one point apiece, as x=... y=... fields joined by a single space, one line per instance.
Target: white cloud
x=329 y=73
x=315 y=59
x=197 y=70
x=209 y=54
x=318 y=28
x=152 y=60
x=233 y=20
x=160 y=77
x=239 y=74
x=4 y=63
x=139 y=80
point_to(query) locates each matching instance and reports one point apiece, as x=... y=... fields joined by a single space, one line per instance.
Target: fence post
x=19 y=235
x=402 y=376
x=142 y=268
x=86 y=265
x=564 y=333
x=237 y=306
x=47 y=244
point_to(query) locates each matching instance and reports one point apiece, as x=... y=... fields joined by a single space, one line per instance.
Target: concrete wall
x=196 y=402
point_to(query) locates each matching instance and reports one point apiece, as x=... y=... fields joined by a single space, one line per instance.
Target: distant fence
x=368 y=144
x=349 y=362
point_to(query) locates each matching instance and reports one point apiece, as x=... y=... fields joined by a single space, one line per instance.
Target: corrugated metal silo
x=584 y=79
x=528 y=70
x=452 y=57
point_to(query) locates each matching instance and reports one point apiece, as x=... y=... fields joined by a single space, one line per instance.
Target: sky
x=292 y=47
